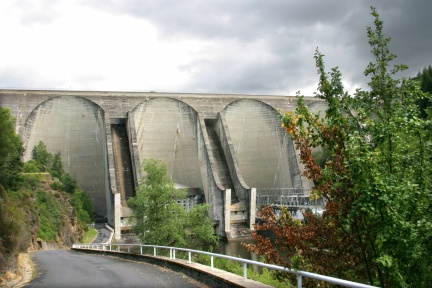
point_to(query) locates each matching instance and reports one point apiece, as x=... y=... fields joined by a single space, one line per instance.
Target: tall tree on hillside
x=56 y=168
x=376 y=226
x=41 y=155
x=11 y=150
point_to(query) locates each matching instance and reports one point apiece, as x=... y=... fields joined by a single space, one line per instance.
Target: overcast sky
x=226 y=46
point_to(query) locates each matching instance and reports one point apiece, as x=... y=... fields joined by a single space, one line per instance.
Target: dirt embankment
x=22 y=274
x=16 y=268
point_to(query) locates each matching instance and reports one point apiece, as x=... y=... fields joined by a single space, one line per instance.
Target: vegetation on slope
x=377 y=225
x=42 y=204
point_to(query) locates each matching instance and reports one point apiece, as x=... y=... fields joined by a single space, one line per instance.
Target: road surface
x=66 y=268
x=103 y=234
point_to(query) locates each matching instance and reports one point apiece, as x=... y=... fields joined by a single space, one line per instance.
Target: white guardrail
x=245 y=262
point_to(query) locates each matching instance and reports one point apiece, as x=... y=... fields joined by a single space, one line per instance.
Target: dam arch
x=75 y=127
x=264 y=151
x=166 y=129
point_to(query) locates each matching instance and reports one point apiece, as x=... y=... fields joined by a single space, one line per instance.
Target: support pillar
x=227 y=212
x=117 y=216
x=252 y=208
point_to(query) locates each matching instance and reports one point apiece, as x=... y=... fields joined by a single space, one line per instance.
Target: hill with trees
x=39 y=202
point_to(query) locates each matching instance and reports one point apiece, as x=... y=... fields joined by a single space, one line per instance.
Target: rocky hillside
x=36 y=216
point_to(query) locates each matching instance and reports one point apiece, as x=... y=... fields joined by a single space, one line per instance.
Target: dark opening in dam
x=122 y=160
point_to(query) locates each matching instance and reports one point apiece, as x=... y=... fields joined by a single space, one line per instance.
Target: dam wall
x=219 y=147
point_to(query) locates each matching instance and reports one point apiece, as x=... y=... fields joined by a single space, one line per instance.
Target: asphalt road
x=66 y=268
x=103 y=234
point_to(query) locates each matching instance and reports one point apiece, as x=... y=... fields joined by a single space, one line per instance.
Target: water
x=237 y=248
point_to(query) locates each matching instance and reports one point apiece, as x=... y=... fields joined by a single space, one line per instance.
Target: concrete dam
x=225 y=150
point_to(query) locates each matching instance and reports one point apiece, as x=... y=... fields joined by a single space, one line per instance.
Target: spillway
x=122 y=162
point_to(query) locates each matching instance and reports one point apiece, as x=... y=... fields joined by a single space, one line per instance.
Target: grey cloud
x=287 y=33
x=293 y=30
x=224 y=19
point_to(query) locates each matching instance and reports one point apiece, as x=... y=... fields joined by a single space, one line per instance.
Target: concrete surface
x=210 y=143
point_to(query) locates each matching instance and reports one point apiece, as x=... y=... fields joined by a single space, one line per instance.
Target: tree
x=160 y=219
x=41 y=155
x=31 y=166
x=376 y=226
x=70 y=184
x=57 y=166
x=425 y=78
x=11 y=151
x=83 y=205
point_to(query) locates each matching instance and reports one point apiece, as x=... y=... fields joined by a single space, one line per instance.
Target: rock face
x=15 y=263
x=21 y=275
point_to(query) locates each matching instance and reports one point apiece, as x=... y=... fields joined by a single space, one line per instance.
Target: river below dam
x=236 y=248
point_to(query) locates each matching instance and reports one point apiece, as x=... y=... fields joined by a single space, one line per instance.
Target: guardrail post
x=190 y=258
x=170 y=253
x=244 y=272
x=154 y=251
x=211 y=262
x=128 y=249
x=299 y=281
x=140 y=249
x=174 y=254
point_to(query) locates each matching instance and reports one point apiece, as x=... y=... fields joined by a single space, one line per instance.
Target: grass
x=265 y=276
x=90 y=235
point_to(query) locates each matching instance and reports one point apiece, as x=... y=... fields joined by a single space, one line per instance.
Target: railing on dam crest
x=292 y=198
x=172 y=252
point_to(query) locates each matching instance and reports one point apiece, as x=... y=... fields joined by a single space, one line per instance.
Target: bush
x=50 y=216
x=18 y=221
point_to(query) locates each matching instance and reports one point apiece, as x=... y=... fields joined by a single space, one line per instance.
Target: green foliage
x=11 y=150
x=70 y=184
x=22 y=211
x=81 y=201
x=50 y=215
x=377 y=224
x=56 y=169
x=31 y=166
x=425 y=103
x=264 y=275
x=83 y=204
x=41 y=155
x=199 y=227
x=18 y=221
x=159 y=219
x=32 y=180
x=43 y=161
x=90 y=235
